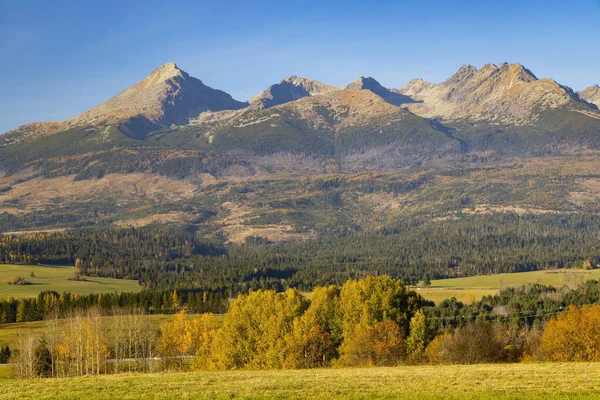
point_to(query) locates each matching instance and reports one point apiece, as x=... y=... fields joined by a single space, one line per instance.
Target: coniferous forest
x=167 y=257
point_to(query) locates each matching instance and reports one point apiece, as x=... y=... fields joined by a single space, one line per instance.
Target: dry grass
x=474 y=288
x=492 y=381
x=122 y=188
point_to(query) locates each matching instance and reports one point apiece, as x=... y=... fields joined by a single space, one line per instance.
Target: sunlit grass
x=56 y=278
x=474 y=288
x=492 y=381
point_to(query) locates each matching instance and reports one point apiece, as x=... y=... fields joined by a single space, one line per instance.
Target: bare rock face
x=390 y=95
x=417 y=87
x=166 y=97
x=591 y=95
x=509 y=93
x=290 y=89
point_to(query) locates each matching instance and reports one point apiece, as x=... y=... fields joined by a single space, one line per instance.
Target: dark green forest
x=166 y=257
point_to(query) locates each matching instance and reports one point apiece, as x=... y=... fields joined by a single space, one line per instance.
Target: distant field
x=474 y=288
x=9 y=332
x=490 y=381
x=56 y=278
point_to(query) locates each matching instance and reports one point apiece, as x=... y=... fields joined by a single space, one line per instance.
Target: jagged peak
x=162 y=74
x=364 y=83
x=488 y=68
x=591 y=95
x=289 y=89
x=592 y=89
x=519 y=71
x=418 y=82
x=416 y=86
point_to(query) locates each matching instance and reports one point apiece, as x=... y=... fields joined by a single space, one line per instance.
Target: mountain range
x=172 y=126
x=508 y=95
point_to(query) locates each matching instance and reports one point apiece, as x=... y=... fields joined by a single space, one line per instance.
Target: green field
x=491 y=381
x=56 y=278
x=9 y=332
x=475 y=287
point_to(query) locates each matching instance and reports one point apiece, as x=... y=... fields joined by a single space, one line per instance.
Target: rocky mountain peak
x=166 y=97
x=162 y=74
x=416 y=87
x=365 y=83
x=591 y=95
x=394 y=97
x=289 y=89
x=508 y=93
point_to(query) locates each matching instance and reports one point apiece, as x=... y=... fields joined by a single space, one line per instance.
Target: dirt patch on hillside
x=119 y=188
x=172 y=217
x=274 y=233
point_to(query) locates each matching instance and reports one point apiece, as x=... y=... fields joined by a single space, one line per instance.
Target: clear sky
x=59 y=58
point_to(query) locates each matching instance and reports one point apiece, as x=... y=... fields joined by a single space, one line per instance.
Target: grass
x=474 y=288
x=491 y=381
x=9 y=332
x=56 y=278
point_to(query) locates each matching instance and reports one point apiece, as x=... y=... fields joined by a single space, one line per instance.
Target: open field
x=9 y=332
x=56 y=278
x=475 y=287
x=491 y=381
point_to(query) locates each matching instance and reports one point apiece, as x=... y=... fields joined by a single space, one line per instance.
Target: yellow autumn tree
x=573 y=335
x=201 y=331
x=254 y=330
x=83 y=345
x=380 y=344
x=376 y=312
x=418 y=338
x=316 y=335
x=174 y=343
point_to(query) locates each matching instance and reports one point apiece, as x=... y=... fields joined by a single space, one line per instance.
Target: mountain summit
x=289 y=89
x=166 y=97
x=591 y=95
x=508 y=93
x=389 y=95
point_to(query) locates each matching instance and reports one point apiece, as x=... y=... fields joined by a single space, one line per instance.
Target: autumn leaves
x=364 y=322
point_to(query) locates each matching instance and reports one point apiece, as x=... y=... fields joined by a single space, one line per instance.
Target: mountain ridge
x=193 y=114
x=591 y=95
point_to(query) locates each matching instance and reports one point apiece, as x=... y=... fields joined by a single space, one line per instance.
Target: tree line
x=174 y=256
x=149 y=301
x=366 y=322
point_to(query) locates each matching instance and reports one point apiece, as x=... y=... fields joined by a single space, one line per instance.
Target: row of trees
x=168 y=257
x=150 y=301
x=87 y=343
x=372 y=321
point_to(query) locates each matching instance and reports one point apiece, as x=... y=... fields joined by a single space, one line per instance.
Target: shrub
x=474 y=343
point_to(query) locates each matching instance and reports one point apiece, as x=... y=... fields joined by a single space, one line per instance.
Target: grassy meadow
x=474 y=288
x=9 y=332
x=56 y=278
x=545 y=381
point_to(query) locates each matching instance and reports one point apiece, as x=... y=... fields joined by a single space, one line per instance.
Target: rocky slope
x=166 y=97
x=389 y=95
x=290 y=89
x=335 y=123
x=591 y=95
x=507 y=94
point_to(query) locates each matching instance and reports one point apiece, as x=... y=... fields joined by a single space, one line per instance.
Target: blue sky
x=59 y=58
